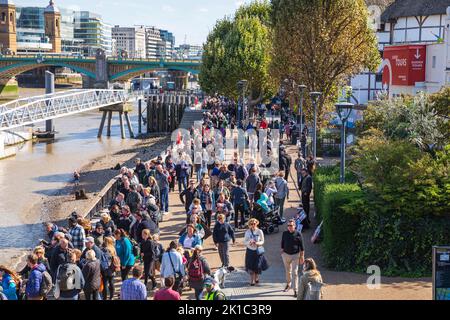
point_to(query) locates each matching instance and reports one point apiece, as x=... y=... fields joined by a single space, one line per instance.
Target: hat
x=209 y=281
x=90 y=239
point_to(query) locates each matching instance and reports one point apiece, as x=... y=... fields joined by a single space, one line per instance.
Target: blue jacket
x=196 y=240
x=124 y=250
x=34 y=282
x=9 y=287
x=223 y=232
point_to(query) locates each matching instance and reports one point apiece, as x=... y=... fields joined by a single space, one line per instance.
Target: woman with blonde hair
x=108 y=224
x=39 y=251
x=310 y=283
x=255 y=262
x=108 y=275
x=154 y=188
x=10 y=282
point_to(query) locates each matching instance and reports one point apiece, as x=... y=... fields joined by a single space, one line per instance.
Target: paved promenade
x=339 y=285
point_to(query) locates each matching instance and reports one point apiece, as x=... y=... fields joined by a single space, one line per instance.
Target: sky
x=192 y=19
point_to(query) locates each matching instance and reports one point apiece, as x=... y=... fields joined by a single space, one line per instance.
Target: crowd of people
x=220 y=197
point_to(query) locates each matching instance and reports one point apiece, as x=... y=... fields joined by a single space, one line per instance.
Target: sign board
x=407 y=64
x=441 y=273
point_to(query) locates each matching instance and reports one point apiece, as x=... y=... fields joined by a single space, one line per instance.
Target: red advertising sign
x=407 y=64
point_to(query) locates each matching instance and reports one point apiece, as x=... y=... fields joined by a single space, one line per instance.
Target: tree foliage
x=420 y=119
x=322 y=43
x=239 y=48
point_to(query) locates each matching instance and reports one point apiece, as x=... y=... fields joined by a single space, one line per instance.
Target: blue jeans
x=164 y=199
x=182 y=181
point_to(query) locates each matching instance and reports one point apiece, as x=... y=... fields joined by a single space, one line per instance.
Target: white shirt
x=257 y=235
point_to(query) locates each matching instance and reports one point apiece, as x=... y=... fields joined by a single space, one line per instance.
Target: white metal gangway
x=27 y=111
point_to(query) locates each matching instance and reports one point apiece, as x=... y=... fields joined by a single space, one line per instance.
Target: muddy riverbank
x=95 y=174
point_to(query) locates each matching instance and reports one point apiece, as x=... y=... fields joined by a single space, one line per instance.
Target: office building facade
x=130 y=40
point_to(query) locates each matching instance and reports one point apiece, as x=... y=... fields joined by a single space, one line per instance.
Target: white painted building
x=131 y=40
x=411 y=22
x=152 y=42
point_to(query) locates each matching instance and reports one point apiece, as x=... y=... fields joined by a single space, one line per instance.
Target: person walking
x=149 y=255
x=207 y=202
x=124 y=250
x=35 y=282
x=108 y=274
x=223 y=233
x=188 y=195
x=198 y=269
x=10 y=282
x=172 y=265
x=167 y=293
x=239 y=198
x=252 y=181
x=212 y=291
x=189 y=239
x=282 y=192
x=69 y=280
x=306 y=189
x=77 y=233
x=310 y=284
x=134 y=289
x=255 y=262
x=162 y=178
x=293 y=255
x=92 y=276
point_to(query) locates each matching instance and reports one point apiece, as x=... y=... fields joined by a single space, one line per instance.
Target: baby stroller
x=268 y=222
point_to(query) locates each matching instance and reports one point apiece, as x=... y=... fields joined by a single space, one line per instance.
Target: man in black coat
x=306 y=188
x=188 y=195
x=142 y=223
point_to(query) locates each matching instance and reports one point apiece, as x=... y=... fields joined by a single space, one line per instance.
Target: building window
x=434 y=62
x=3 y=17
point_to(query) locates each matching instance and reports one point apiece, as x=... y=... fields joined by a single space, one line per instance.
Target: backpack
x=66 y=277
x=313 y=290
x=105 y=261
x=136 y=248
x=115 y=264
x=195 y=270
x=46 y=284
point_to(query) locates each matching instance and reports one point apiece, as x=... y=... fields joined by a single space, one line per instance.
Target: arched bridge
x=100 y=68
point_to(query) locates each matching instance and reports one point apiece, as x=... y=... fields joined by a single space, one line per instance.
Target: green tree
x=322 y=43
x=236 y=49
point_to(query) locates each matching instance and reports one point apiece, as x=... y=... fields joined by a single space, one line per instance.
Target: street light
x=315 y=97
x=301 y=92
x=242 y=85
x=343 y=109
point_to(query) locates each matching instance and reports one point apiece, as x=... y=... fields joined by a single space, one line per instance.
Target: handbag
x=178 y=286
x=260 y=251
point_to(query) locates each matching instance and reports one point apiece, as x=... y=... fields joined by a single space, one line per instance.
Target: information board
x=441 y=273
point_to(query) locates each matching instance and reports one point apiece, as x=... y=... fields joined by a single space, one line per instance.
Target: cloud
x=204 y=10
x=168 y=8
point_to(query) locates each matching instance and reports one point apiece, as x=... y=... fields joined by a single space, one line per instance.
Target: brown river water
x=42 y=169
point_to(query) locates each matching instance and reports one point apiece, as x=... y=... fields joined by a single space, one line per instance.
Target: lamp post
x=343 y=109
x=242 y=84
x=315 y=97
x=301 y=92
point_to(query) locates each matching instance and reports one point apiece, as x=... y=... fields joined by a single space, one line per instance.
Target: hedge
x=362 y=229
x=340 y=224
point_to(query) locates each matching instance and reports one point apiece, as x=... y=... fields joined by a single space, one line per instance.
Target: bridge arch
x=9 y=71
